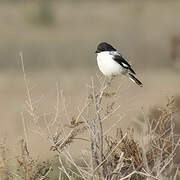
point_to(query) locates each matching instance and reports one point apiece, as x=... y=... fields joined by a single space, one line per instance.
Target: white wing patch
x=125 y=65
x=115 y=53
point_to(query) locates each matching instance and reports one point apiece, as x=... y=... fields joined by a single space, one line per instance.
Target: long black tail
x=135 y=80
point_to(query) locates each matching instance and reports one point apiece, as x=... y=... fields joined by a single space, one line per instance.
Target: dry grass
x=106 y=157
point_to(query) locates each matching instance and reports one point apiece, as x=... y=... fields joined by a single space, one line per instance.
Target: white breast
x=107 y=65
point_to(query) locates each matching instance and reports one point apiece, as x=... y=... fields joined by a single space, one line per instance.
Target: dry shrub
x=122 y=156
x=29 y=168
x=126 y=158
x=107 y=157
x=153 y=159
x=3 y=161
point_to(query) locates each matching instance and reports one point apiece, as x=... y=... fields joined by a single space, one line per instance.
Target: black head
x=104 y=47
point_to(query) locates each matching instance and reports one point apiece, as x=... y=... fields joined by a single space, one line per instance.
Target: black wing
x=119 y=59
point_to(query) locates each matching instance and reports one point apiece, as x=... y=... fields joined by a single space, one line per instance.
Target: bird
x=112 y=63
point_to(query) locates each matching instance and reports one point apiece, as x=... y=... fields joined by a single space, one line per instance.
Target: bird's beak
x=96 y=52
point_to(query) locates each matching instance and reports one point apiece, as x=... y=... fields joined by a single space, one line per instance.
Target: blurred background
x=58 y=40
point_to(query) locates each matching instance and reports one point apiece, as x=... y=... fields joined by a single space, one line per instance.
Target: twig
x=63 y=169
x=138 y=172
x=111 y=152
x=25 y=130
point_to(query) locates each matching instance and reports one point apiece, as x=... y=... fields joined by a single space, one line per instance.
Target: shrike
x=111 y=63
